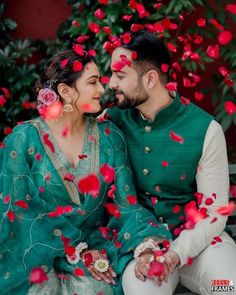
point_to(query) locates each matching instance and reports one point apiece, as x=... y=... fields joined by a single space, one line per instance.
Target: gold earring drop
x=68 y=107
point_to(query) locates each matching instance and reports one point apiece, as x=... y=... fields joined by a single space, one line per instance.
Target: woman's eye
x=93 y=82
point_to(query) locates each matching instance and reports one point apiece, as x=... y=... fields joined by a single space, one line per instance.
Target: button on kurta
x=148 y=129
x=146 y=171
x=147 y=149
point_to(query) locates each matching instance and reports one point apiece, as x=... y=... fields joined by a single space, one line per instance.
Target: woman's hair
x=59 y=69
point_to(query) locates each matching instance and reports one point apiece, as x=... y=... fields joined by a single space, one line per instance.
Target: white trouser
x=216 y=262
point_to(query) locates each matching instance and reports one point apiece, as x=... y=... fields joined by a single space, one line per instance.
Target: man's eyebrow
x=116 y=71
x=93 y=76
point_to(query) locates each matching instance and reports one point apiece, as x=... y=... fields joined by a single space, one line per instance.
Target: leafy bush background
x=18 y=74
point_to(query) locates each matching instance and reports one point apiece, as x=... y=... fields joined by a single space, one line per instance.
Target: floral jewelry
x=101 y=265
x=68 y=107
x=45 y=98
x=76 y=256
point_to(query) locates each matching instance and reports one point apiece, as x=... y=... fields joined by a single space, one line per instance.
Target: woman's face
x=87 y=95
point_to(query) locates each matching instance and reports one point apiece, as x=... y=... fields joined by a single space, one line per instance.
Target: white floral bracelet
x=76 y=256
x=149 y=244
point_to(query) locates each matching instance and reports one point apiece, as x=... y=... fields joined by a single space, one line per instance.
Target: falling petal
x=105 y=79
x=6 y=199
x=48 y=142
x=112 y=209
x=37 y=276
x=107 y=172
x=227 y=210
x=156 y=269
x=132 y=200
x=69 y=177
x=171 y=86
x=64 y=62
x=38 y=157
x=78 y=272
x=176 y=209
x=11 y=215
x=99 y=13
x=225 y=37
x=89 y=185
x=21 y=203
x=230 y=107
x=198 y=95
x=77 y=66
x=213 y=51
x=231 y=8
x=176 y=137
x=201 y=22
x=165 y=163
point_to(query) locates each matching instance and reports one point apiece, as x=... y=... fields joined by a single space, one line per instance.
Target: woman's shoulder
x=22 y=132
x=109 y=128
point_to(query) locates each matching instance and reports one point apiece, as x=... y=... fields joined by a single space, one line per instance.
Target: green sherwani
x=35 y=172
x=164 y=168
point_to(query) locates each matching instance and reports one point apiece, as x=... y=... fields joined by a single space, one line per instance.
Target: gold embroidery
x=70 y=186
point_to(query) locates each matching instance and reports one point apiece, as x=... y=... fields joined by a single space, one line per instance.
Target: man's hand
x=142 y=265
x=172 y=259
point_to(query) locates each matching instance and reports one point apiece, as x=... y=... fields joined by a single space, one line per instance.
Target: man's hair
x=151 y=53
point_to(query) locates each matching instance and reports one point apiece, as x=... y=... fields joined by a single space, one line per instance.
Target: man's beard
x=132 y=100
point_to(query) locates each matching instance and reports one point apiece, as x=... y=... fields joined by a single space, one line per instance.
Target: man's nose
x=112 y=84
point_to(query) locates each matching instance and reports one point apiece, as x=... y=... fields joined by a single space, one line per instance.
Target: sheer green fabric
x=33 y=170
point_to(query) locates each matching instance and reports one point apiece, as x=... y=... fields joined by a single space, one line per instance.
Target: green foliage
x=18 y=75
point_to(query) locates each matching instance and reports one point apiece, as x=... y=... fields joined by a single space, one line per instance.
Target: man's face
x=125 y=81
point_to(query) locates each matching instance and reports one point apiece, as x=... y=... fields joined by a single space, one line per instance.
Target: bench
x=231 y=224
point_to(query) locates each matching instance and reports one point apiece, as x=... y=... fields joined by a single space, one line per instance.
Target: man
x=176 y=150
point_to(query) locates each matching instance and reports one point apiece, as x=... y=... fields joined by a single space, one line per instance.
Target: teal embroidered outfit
x=33 y=171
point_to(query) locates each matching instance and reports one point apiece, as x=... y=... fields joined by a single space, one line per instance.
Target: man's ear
x=151 y=79
x=63 y=90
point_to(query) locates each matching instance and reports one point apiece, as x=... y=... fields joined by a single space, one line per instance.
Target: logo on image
x=222 y=286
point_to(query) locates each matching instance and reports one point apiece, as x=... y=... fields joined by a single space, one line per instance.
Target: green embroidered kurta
x=164 y=169
x=33 y=170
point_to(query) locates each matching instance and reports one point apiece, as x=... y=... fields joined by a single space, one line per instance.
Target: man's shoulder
x=117 y=115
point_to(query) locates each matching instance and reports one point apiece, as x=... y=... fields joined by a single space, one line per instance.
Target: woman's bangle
x=76 y=256
x=149 y=244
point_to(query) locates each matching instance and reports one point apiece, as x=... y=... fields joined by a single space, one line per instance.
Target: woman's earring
x=68 y=107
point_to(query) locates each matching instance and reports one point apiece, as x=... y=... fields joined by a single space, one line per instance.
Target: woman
x=67 y=196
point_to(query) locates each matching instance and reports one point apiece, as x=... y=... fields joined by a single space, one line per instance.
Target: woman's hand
x=90 y=257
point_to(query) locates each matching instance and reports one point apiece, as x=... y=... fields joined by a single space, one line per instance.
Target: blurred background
x=201 y=36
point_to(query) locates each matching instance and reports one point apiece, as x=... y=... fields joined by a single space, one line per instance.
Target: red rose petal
x=69 y=177
x=111 y=192
x=231 y=8
x=21 y=203
x=78 y=272
x=11 y=215
x=213 y=51
x=64 y=62
x=37 y=276
x=227 y=210
x=171 y=86
x=230 y=107
x=112 y=209
x=176 y=137
x=77 y=66
x=176 y=209
x=132 y=200
x=89 y=185
x=225 y=37
x=48 y=142
x=6 y=199
x=156 y=269
x=107 y=172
